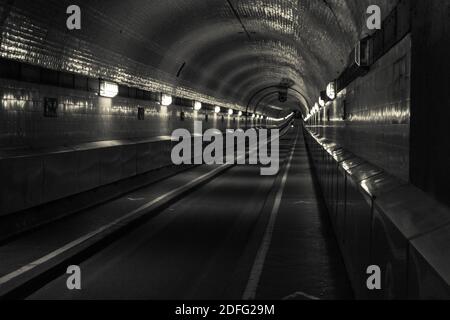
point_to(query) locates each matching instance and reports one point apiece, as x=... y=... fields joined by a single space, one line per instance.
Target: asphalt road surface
x=202 y=247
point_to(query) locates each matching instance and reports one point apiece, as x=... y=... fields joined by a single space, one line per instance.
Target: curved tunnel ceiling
x=230 y=48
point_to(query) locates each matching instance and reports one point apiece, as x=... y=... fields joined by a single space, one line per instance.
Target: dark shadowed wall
x=430 y=92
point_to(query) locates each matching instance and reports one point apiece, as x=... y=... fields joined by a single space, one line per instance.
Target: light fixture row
x=110 y=89
x=325 y=96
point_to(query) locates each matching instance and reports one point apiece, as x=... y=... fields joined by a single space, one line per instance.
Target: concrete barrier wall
x=29 y=180
x=381 y=220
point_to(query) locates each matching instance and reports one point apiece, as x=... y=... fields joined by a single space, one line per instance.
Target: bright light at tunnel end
x=252 y=147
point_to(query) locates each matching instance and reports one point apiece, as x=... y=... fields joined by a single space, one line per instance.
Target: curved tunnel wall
x=139 y=41
x=371 y=116
x=392 y=121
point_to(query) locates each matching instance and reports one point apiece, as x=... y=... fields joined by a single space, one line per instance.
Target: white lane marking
x=255 y=274
x=300 y=294
x=136 y=199
x=304 y=202
x=90 y=235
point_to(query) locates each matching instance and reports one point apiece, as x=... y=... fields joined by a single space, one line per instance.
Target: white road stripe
x=300 y=294
x=136 y=199
x=255 y=274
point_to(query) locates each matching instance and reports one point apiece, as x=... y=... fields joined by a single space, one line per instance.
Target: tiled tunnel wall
x=35 y=32
x=142 y=41
x=430 y=100
x=86 y=117
x=394 y=117
x=371 y=116
x=379 y=219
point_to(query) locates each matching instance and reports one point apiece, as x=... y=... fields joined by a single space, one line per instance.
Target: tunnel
x=248 y=150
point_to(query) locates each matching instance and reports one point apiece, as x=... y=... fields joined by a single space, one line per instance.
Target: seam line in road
x=258 y=266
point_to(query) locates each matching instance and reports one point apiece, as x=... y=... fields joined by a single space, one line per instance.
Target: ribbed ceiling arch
x=230 y=49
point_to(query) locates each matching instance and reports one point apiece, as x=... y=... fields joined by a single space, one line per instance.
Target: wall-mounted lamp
x=316 y=108
x=230 y=112
x=321 y=102
x=240 y=114
x=217 y=109
x=108 y=89
x=197 y=106
x=166 y=100
x=331 y=90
